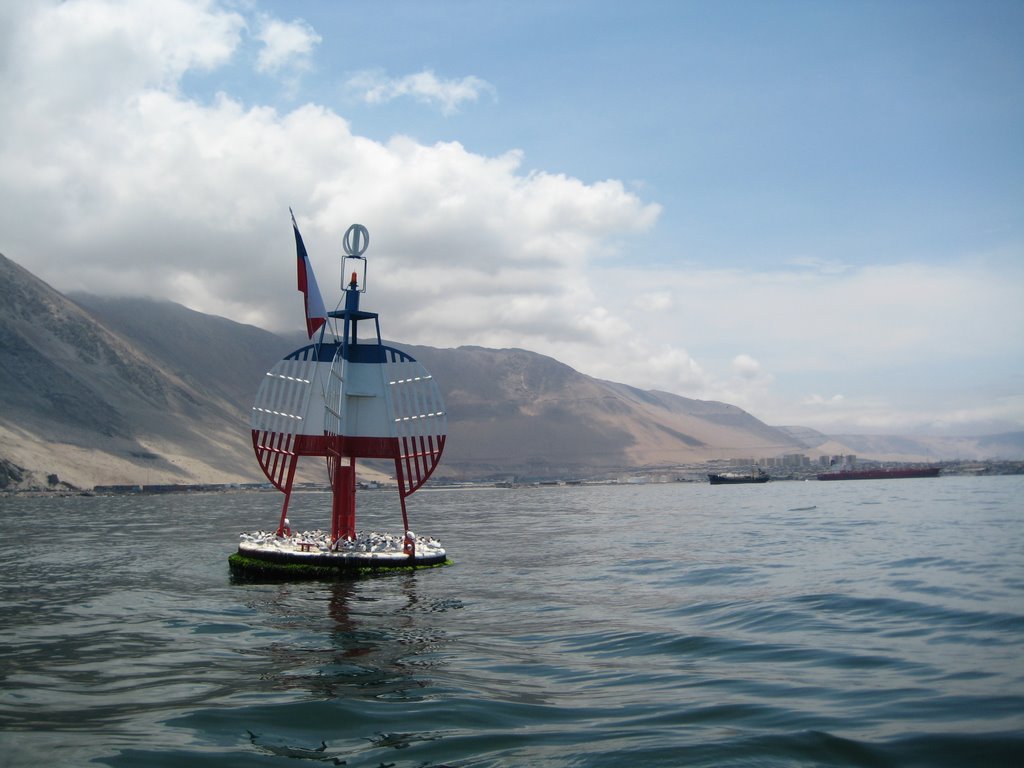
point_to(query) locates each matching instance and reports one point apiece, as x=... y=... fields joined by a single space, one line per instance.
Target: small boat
x=735 y=478
x=880 y=474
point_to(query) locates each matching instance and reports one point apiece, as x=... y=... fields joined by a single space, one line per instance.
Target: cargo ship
x=879 y=474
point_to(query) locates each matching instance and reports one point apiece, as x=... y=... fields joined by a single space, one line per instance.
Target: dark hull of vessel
x=879 y=474
x=736 y=480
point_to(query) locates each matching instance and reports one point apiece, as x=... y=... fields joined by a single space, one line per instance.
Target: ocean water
x=868 y=623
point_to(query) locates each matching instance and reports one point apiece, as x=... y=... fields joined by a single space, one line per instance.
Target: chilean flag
x=316 y=314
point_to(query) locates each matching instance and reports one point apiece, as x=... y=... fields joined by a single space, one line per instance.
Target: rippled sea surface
x=867 y=623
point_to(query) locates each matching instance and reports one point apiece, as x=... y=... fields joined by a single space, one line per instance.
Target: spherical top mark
x=357 y=238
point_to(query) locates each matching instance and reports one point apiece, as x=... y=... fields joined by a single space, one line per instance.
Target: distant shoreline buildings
x=797 y=461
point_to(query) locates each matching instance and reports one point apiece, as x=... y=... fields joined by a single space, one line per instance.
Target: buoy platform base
x=309 y=555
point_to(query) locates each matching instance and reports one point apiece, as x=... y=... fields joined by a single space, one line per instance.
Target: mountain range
x=98 y=390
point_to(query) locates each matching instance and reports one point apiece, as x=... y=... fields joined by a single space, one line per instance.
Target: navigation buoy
x=341 y=398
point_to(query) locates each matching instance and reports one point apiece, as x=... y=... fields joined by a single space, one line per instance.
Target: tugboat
x=341 y=398
x=756 y=475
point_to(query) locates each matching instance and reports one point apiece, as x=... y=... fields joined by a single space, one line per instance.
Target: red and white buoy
x=341 y=398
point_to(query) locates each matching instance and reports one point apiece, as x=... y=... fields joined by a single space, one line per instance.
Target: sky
x=811 y=210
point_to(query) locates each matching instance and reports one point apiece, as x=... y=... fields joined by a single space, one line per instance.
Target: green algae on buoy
x=312 y=555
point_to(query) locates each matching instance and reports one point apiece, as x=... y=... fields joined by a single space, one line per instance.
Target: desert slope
x=102 y=390
x=90 y=405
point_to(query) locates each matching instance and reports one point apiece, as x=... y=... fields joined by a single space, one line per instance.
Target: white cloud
x=655 y=301
x=878 y=314
x=114 y=182
x=157 y=194
x=376 y=87
x=74 y=57
x=901 y=342
x=286 y=45
x=816 y=400
x=674 y=370
x=828 y=267
x=746 y=367
x=883 y=415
